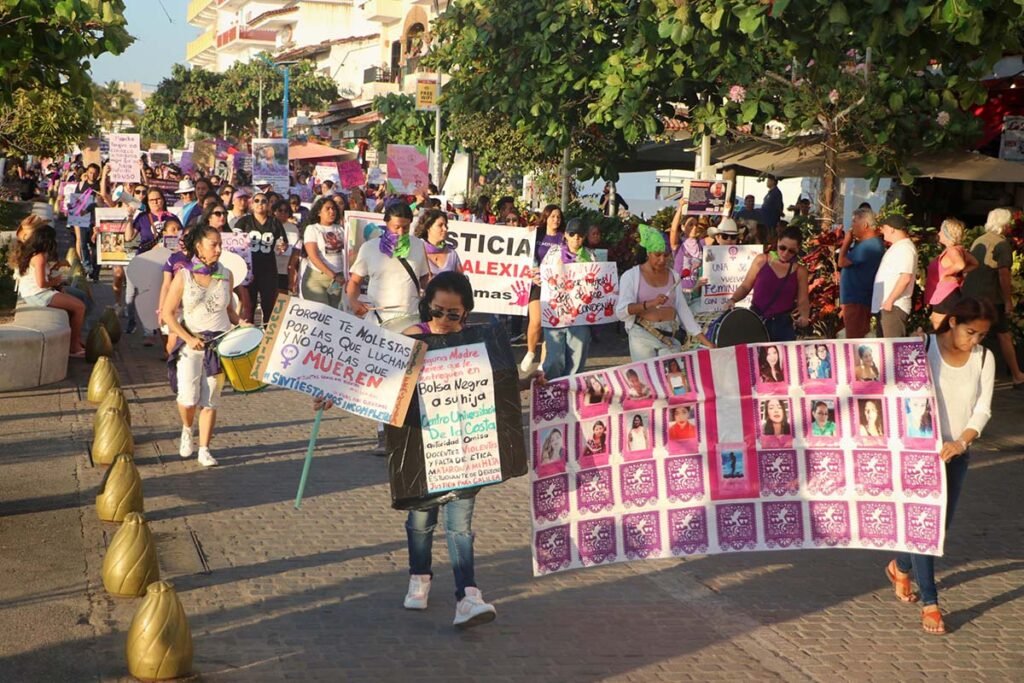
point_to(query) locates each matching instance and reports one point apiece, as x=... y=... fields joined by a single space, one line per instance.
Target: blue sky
x=158 y=45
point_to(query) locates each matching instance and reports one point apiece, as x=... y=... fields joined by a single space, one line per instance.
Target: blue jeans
x=458 y=522
x=566 y=349
x=924 y=565
x=780 y=328
x=88 y=254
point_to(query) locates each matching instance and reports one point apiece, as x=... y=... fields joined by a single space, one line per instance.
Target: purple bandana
x=392 y=245
x=431 y=249
x=200 y=268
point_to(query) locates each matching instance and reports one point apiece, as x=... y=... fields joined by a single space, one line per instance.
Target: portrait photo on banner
x=637 y=387
x=593 y=442
x=681 y=429
x=550 y=448
x=771 y=367
x=676 y=376
x=593 y=394
x=871 y=419
x=817 y=361
x=636 y=434
x=775 y=422
x=821 y=419
x=865 y=362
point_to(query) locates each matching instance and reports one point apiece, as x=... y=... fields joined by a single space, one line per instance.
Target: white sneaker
x=526 y=367
x=472 y=610
x=185 y=448
x=205 y=459
x=419 y=590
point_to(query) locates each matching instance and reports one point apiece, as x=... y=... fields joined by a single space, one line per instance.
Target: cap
x=241 y=193
x=895 y=222
x=575 y=227
x=458 y=200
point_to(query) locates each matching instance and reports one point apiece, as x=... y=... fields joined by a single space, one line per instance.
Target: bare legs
x=76 y=316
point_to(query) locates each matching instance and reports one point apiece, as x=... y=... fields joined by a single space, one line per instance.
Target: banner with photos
x=815 y=444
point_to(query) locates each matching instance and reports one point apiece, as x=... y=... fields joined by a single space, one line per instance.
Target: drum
x=237 y=351
x=737 y=326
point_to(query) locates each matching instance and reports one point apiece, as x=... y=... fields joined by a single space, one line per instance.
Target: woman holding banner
x=652 y=304
x=963 y=374
x=324 y=240
x=553 y=236
x=203 y=291
x=433 y=230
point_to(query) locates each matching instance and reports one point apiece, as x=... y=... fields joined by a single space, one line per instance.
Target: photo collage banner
x=814 y=444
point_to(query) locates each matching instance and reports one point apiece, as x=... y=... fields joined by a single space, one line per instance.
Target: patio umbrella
x=310 y=151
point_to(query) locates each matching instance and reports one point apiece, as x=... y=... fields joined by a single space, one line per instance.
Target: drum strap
x=655 y=332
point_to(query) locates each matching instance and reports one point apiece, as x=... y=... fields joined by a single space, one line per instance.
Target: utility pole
x=259 y=123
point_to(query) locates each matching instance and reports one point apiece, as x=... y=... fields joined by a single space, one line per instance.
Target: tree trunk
x=828 y=184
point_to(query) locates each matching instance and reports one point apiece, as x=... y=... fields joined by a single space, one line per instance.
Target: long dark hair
x=449 y=281
x=766 y=428
x=427 y=220
x=542 y=225
x=967 y=310
x=43 y=240
x=194 y=236
x=313 y=217
x=210 y=208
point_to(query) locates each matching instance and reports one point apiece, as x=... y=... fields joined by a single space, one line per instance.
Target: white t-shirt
x=898 y=259
x=330 y=242
x=390 y=289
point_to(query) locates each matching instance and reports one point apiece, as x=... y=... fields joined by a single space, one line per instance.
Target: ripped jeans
x=458 y=522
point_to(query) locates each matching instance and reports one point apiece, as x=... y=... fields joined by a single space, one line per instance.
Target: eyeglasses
x=450 y=315
x=225 y=193
x=785 y=250
x=218 y=213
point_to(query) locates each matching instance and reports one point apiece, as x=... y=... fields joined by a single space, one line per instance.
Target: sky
x=159 y=43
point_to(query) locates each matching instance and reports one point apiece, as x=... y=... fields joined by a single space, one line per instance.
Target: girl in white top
x=204 y=293
x=963 y=374
x=35 y=261
x=323 y=279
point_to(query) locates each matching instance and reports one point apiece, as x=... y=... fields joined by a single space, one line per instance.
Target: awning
x=304 y=151
x=804 y=157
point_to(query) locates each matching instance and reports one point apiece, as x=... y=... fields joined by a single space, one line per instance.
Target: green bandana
x=402 y=248
x=652 y=239
x=583 y=256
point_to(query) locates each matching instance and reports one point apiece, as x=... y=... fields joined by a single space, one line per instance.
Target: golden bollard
x=114 y=402
x=72 y=257
x=111 y=324
x=111 y=438
x=121 y=490
x=130 y=564
x=98 y=344
x=102 y=380
x=159 y=643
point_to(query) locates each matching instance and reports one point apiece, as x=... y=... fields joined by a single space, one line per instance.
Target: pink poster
x=802 y=445
x=407 y=168
x=351 y=173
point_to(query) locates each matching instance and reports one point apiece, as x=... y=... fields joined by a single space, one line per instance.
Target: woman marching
x=651 y=303
x=203 y=291
x=963 y=375
x=566 y=347
x=323 y=279
x=553 y=227
x=779 y=284
x=433 y=230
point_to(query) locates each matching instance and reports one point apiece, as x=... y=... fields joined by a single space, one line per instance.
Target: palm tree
x=113 y=105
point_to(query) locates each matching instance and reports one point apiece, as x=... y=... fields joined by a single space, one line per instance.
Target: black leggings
x=265 y=285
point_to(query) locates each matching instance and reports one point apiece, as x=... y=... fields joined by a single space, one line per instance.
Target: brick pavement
x=315 y=594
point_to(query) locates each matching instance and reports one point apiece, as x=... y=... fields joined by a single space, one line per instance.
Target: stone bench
x=34 y=348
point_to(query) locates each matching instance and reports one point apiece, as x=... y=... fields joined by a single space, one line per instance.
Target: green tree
x=44 y=122
x=402 y=124
x=47 y=45
x=604 y=72
x=113 y=105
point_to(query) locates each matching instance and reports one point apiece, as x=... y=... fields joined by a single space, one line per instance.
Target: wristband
x=963 y=446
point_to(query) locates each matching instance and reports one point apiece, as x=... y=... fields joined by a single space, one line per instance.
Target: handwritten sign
x=460 y=437
x=577 y=293
x=407 y=168
x=725 y=267
x=351 y=174
x=110 y=245
x=125 y=163
x=327 y=171
x=241 y=245
x=321 y=351
x=498 y=261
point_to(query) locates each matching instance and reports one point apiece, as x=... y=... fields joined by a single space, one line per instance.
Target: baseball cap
x=575 y=227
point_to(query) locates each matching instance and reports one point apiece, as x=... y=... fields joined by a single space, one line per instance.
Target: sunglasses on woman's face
x=259 y=201
x=450 y=315
x=786 y=250
x=218 y=213
x=728 y=237
x=139 y=193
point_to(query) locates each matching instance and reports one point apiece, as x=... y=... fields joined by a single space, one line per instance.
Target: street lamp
x=285 y=68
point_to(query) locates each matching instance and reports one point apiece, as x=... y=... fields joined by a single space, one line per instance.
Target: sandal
x=77 y=354
x=931 y=620
x=900 y=584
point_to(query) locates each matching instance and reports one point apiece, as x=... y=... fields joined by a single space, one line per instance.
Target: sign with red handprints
x=578 y=293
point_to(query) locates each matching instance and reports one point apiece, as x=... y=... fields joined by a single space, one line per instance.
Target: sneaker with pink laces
x=419 y=590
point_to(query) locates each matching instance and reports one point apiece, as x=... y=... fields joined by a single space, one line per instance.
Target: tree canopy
x=44 y=122
x=47 y=45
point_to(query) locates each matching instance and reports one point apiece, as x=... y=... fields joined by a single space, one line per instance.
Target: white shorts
x=194 y=387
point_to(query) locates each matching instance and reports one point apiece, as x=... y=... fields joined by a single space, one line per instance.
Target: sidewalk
x=275 y=593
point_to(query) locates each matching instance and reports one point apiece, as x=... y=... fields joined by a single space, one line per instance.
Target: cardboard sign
x=725 y=267
x=351 y=174
x=327 y=171
x=239 y=244
x=376 y=176
x=577 y=293
x=408 y=168
x=498 y=261
x=738 y=449
x=324 y=352
x=110 y=243
x=706 y=197
x=125 y=157
x=270 y=163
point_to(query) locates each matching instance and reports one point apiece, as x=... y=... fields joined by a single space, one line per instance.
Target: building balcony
x=235 y=38
x=384 y=11
x=202 y=50
x=371 y=90
x=201 y=12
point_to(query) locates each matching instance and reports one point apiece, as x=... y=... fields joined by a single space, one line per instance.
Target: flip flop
x=77 y=354
x=900 y=585
x=931 y=621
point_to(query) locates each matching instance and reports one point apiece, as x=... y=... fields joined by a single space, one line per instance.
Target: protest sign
x=125 y=153
x=351 y=173
x=498 y=262
x=324 y=352
x=761 y=447
x=464 y=426
x=270 y=163
x=360 y=227
x=187 y=163
x=725 y=267
x=204 y=155
x=241 y=161
x=110 y=244
x=327 y=171
x=239 y=244
x=172 y=243
x=80 y=206
x=577 y=293
x=159 y=156
x=167 y=187
x=706 y=197
x=376 y=176
x=408 y=168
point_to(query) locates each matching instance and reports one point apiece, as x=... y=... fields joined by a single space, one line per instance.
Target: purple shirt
x=545 y=243
x=176 y=262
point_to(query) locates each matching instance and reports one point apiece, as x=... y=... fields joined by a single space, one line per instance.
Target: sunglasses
x=218 y=213
x=450 y=315
x=725 y=236
x=259 y=201
x=139 y=193
x=786 y=250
